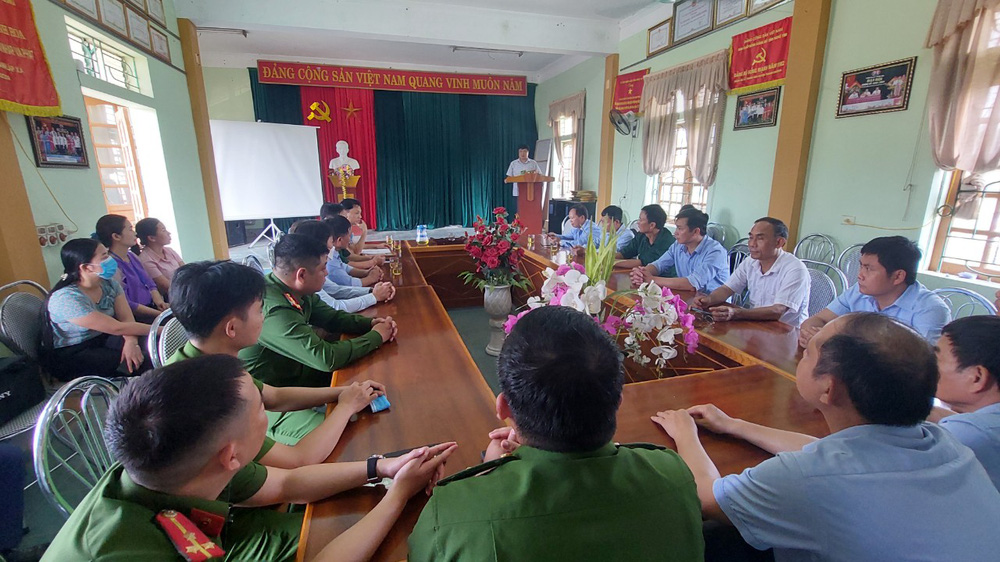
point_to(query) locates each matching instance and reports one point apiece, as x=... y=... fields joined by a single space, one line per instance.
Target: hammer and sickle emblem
x=760 y=58
x=319 y=114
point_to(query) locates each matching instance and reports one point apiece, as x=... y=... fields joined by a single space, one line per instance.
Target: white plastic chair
x=963 y=302
x=163 y=345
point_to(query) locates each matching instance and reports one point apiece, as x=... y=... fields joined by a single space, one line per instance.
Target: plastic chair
x=822 y=289
x=252 y=262
x=833 y=272
x=963 y=302
x=21 y=331
x=70 y=431
x=163 y=345
x=716 y=232
x=850 y=263
x=816 y=247
x=565 y=225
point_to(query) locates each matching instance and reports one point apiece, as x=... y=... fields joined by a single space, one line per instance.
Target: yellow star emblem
x=350 y=109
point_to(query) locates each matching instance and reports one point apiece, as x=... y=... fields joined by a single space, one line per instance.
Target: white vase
x=497 y=302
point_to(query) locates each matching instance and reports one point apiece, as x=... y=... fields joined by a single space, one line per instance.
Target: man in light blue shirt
x=337 y=270
x=702 y=264
x=887 y=284
x=884 y=485
x=968 y=358
x=582 y=229
x=611 y=221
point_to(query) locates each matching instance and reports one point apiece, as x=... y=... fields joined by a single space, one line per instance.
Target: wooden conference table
x=438 y=394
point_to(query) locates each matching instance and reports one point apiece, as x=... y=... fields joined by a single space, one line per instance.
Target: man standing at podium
x=523 y=165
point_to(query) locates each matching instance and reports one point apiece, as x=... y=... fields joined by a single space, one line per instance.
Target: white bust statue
x=342 y=158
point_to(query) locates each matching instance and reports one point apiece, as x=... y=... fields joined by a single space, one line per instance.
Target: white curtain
x=696 y=92
x=570 y=106
x=963 y=112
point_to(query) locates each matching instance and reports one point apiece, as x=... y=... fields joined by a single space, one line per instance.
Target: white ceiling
x=554 y=35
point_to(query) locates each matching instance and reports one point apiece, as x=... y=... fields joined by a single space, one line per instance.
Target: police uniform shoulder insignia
x=479 y=469
x=191 y=543
x=293 y=302
x=647 y=446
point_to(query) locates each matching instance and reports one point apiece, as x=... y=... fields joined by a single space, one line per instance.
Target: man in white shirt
x=522 y=165
x=778 y=282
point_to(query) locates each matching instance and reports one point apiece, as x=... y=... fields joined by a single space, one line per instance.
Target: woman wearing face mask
x=90 y=328
x=117 y=234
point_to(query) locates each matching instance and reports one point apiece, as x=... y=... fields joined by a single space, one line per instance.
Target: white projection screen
x=267 y=170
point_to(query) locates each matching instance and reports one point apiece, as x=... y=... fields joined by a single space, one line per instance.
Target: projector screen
x=267 y=170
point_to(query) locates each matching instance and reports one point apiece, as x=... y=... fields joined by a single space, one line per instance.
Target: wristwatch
x=373 y=476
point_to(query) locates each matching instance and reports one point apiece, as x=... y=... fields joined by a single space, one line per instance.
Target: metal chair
x=163 y=345
x=717 y=232
x=21 y=323
x=70 y=434
x=850 y=262
x=634 y=226
x=270 y=254
x=833 y=272
x=252 y=262
x=964 y=302
x=822 y=289
x=816 y=247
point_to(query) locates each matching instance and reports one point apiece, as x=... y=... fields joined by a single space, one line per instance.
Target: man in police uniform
x=561 y=489
x=183 y=436
x=289 y=352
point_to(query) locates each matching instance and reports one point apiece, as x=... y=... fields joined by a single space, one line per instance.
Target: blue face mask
x=108 y=268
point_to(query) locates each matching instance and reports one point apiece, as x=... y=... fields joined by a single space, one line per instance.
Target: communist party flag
x=25 y=78
x=759 y=57
x=345 y=114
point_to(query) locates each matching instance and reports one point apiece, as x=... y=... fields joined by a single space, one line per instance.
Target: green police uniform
x=639 y=247
x=620 y=502
x=115 y=521
x=284 y=427
x=290 y=353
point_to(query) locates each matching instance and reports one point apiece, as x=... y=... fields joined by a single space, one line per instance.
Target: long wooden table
x=438 y=394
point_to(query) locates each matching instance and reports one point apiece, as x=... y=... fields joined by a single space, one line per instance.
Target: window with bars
x=102 y=60
x=678 y=187
x=566 y=145
x=968 y=236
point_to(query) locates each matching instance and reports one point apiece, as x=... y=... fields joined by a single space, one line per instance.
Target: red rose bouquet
x=495 y=252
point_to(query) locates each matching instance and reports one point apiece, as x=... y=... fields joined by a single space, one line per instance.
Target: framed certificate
x=138 y=27
x=658 y=38
x=761 y=5
x=692 y=18
x=728 y=11
x=155 y=10
x=88 y=7
x=159 y=43
x=113 y=16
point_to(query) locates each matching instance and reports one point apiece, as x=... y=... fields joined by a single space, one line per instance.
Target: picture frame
x=692 y=18
x=138 y=27
x=757 y=6
x=658 y=38
x=58 y=142
x=86 y=7
x=156 y=12
x=728 y=11
x=159 y=43
x=880 y=88
x=757 y=109
x=112 y=15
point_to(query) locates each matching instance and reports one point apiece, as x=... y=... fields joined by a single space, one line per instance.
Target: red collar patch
x=191 y=543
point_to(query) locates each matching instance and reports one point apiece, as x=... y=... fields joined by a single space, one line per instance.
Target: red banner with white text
x=759 y=57
x=278 y=72
x=25 y=79
x=628 y=90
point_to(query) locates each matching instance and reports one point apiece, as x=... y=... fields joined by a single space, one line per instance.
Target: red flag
x=25 y=79
x=759 y=57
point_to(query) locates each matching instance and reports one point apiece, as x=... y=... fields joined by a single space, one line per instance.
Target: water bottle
x=422 y=238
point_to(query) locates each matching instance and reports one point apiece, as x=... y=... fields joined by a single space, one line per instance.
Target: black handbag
x=20 y=386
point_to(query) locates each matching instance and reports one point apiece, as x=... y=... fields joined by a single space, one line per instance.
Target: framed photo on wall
x=761 y=5
x=692 y=18
x=113 y=16
x=138 y=27
x=58 y=142
x=658 y=38
x=88 y=7
x=728 y=11
x=155 y=10
x=757 y=109
x=876 y=89
x=160 y=43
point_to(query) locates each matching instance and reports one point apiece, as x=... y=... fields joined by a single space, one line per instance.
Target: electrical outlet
x=847 y=219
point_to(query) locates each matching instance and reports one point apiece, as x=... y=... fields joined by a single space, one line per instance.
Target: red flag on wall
x=25 y=79
x=345 y=114
x=628 y=90
x=759 y=57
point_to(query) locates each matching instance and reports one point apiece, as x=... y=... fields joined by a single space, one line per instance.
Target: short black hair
x=330 y=210
x=562 y=377
x=614 y=212
x=974 y=341
x=318 y=230
x=580 y=208
x=522 y=147
x=348 y=203
x=150 y=427
x=203 y=293
x=895 y=253
x=295 y=251
x=780 y=228
x=695 y=219
x=655 y=214
x=890 y=372
x=338 y=225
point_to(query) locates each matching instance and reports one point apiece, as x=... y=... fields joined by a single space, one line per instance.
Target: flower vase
x=497 y=302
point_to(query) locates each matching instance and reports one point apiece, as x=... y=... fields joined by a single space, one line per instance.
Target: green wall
x=228 y=93
x=79 y=190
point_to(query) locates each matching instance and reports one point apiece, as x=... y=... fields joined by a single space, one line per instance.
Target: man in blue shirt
x=582 y=229
x=969 y=363
x=887 y=284
x=884 y=485
x=337 y=270
x=611 y=221
x=702 y=264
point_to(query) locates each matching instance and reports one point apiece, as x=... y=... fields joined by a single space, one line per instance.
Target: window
x=968 y=237
x=102 y=60
x=678 y=187
x=566 y=145
x=111 y=133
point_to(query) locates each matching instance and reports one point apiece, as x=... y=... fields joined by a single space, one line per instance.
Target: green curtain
x=442 y=157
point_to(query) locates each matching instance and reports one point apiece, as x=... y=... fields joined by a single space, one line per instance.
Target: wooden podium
x=532 y=199
x=342 y=190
